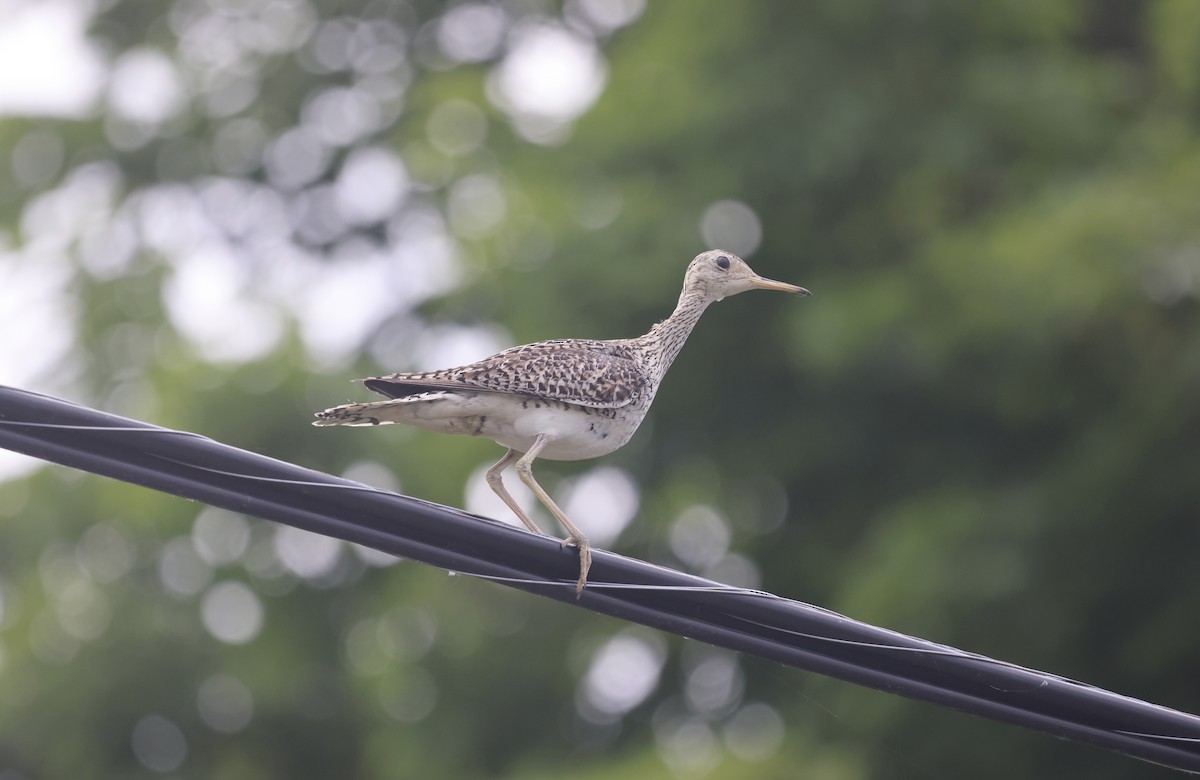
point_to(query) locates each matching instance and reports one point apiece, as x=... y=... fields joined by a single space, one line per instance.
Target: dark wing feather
x=587 y=373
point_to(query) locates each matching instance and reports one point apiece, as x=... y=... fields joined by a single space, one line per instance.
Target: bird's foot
x=585 y=560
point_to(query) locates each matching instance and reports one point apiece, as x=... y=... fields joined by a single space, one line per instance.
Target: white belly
x=514 y=421
x=577 y=432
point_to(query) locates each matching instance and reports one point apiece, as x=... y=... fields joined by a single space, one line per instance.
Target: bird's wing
x=586 y=373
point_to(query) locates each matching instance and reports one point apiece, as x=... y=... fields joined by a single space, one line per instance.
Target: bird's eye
x=723 y=262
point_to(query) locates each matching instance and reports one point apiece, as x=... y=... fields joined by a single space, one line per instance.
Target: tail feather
x=374 y=413
x=411 y=410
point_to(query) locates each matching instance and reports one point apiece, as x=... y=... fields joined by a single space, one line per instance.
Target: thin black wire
x=750 y=621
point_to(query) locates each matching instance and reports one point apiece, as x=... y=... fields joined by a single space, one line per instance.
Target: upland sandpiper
x=566 y=399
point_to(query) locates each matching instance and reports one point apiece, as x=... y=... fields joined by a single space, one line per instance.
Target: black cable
x=749 y=621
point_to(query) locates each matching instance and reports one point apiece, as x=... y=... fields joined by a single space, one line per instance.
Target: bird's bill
x=762 y=283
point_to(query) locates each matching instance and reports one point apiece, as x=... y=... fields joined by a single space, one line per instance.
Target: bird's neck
x=667 y=337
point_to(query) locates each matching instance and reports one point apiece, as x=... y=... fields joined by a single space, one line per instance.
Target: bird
x=562 y=399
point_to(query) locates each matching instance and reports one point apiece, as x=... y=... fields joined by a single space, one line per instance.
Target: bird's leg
x=575 y=536
x=496 y=483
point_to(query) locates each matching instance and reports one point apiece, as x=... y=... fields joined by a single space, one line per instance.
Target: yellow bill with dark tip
x=763 y=283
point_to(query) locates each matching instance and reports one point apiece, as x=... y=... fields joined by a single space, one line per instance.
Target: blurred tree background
x=983 y=428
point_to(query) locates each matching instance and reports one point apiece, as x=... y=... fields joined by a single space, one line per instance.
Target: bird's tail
x=421 y=409
x=374 y=413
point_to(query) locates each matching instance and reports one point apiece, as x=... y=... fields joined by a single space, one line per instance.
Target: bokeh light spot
x=146 y=87
x=207 y=302
x=225 y=703
x=83 y=610
x=182 y=572
x=296 y=158
x=106 y=552
x=343 y=115
x=370 y=186
x=609 y=15
x=699 y=536
x=159 y=744
x=755 y=733
x=69 y=68
x=220 y=536
x=232 y=613
x=603 y=501
x=471 y=32
x=688 y=746
x=306 y=554
x=732 y=225
x=549 y=77
x=714 y=684
x=623 y=672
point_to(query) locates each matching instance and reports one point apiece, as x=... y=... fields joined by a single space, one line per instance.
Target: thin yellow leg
x=496 y=483
x=575 y=536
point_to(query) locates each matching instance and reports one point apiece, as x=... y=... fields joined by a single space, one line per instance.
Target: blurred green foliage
x=982 y=429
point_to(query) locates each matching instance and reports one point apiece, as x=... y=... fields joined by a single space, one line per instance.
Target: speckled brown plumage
x=599 y=374
x=565 y=399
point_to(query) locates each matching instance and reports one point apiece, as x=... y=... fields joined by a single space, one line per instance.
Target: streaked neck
x=666 y=339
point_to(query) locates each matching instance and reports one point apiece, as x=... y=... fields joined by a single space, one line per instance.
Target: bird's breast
x=577 y=432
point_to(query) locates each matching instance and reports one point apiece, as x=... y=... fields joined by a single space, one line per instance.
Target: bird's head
x=717 y=274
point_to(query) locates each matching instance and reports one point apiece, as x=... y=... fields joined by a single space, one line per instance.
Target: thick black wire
x=749 y=621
